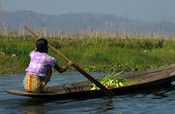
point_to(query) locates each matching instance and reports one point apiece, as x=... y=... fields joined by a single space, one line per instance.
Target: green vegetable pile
x=112 y=81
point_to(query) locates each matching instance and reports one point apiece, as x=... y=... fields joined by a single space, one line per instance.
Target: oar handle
x=38 y=37
x=63 y=56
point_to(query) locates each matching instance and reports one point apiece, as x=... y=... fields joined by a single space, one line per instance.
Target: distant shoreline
x=94 y=52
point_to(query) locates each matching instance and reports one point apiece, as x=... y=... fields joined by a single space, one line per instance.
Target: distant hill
x=73 y=22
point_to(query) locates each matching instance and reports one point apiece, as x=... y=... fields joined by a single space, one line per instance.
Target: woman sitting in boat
x=39 y=70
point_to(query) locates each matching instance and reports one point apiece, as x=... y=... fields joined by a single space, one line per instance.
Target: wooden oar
x=97 y=83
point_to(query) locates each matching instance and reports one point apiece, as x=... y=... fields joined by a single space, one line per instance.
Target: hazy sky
x=145 y=10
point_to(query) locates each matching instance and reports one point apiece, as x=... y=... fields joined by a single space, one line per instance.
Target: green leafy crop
x=112 y=81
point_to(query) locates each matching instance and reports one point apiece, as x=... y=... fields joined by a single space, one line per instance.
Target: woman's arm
x=64 y=68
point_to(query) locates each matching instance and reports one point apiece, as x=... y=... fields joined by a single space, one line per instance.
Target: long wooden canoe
x=144 y=80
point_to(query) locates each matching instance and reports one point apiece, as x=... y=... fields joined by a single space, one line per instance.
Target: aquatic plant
x=93 y=52
x=112 y=81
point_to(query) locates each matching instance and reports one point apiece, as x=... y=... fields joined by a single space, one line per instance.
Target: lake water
x=161 y=101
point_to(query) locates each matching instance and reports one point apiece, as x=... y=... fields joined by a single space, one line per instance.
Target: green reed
x=93 y=52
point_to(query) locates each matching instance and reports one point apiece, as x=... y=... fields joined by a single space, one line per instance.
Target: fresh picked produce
x=112 y=81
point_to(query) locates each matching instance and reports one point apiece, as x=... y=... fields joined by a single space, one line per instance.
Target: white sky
x=144 y=10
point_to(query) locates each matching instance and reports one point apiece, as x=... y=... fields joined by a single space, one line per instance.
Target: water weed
x=94 y=53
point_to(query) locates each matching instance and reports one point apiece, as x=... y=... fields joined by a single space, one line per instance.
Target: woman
x=39 y=70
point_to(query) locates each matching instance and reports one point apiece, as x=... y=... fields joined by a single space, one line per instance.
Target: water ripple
x=159 y=101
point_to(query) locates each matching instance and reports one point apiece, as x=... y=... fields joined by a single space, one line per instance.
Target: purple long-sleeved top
x=40 y=63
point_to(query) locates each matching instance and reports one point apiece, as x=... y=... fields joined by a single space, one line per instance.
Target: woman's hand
x=70 y=63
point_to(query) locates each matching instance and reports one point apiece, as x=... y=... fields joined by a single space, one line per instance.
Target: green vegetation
x=93 y=52
x=112 y=81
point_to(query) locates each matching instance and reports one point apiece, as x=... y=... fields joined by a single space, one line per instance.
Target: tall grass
x=94 y=52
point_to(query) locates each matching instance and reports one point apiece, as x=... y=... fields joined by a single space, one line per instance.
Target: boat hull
x=144 y=81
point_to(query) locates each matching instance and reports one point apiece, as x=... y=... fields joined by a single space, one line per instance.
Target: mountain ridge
x=73 y=22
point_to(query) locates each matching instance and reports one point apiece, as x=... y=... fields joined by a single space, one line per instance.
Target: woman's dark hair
x=41 y=45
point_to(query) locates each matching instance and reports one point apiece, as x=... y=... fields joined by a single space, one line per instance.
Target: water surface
x=160 y=101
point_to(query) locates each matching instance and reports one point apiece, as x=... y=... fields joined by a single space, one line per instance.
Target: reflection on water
x=160 y=100
x=32 y=106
